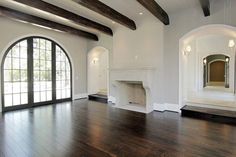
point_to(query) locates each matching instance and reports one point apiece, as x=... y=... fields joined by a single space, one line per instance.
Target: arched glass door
x=35 y=71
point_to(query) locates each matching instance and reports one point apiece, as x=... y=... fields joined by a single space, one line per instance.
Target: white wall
x=142 y=48
x=97 y=67
x=75 y=46
x=183 y=22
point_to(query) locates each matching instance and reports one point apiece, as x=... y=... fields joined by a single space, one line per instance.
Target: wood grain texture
x=90 y=129
x=105 y=10
x=11 y=13
x=44 y=6
x=156 y=10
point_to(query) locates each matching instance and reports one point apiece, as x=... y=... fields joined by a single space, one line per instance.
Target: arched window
x=35 y=71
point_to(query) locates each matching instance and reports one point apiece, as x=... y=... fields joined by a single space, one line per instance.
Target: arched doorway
x=35 y=71
x=195 y=46
x=98 y=73
x=216 y=71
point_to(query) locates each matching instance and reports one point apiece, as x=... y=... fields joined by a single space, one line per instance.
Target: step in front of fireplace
x=216 y=115
x=98 y=97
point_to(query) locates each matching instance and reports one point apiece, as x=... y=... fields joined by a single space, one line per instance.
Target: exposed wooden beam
x=103 y=9
x=205 y=4
x=156 y=10
x=43 y=22
x=44 y=6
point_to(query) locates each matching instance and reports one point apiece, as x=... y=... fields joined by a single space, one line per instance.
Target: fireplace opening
x=132 y=94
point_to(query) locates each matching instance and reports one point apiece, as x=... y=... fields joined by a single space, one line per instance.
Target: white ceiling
x=129 y=8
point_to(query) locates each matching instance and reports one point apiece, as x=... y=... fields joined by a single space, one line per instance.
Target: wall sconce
x=227 y=59
x=204 y=61
x=231 y=43
x=95 y=60
x=187 y=50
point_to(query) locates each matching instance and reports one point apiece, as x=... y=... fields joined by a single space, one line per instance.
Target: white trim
x=112 y=99
x=167 y=107
x=80 y=96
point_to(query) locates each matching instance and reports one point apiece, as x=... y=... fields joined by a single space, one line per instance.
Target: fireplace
x=132 y=89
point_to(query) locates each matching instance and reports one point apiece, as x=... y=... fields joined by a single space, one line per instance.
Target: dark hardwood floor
x=91 y=129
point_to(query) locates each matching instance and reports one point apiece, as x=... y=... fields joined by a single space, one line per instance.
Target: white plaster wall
x=142 y=48
x=97 y=70
x=75 y=46
x=183 y=22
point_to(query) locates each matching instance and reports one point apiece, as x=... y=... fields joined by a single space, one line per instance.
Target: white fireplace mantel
x=144 y=75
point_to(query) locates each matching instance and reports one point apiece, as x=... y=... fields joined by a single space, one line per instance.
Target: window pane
x=16 y=99
x=7 y=75
x=16 y=87
x=23 y=52
x=42 y=65
x=48 y=55
x=36 y=53
x=42 y=54
x=49 y=95
x=23 y=63
x=49 y=85
x=36 y=65
x=68 y=93
x=36 y=86
x=36 y=75
x=16 y=63
x=15 y=75
x=24 y=98
x=24 y=87
x=58 y=84
x=8 y=88
x=8 y=100
x=48 y=65
x=42 y=76
x=23 y=75
x=63 y=93
x=42 y=86
x=36 y=96
x=16 y=51
x=43 y=96
x=23 y=43
x=58 y=94
x=7 y=64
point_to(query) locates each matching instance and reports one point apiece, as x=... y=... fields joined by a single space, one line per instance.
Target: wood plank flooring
x=90 y=129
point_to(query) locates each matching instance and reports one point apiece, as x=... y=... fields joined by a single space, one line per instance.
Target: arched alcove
x=98 y=74
x=194 y=47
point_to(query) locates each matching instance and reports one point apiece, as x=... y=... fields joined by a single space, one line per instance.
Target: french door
x=35 y=71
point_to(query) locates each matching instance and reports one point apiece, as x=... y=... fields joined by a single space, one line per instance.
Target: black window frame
x=30 y=71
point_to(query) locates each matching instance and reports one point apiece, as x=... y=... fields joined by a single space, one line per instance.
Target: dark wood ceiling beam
x=47 y=7
x=156 y=10
x=10 y=13
x=103 y=9
x=205 y=4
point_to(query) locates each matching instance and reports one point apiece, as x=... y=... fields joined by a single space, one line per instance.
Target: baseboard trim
x=112 y=99
x=80 y=96
x=167 y=107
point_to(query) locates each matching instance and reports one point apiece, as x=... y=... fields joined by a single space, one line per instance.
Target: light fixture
x=205 y=61
x=187 y=50
x=231 y=43
x=140 y=13
x=95 y=60
x=227 y=59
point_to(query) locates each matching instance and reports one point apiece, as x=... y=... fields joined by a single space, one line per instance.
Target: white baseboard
x=167 y=107
x=80 y=96
x=112 y=99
